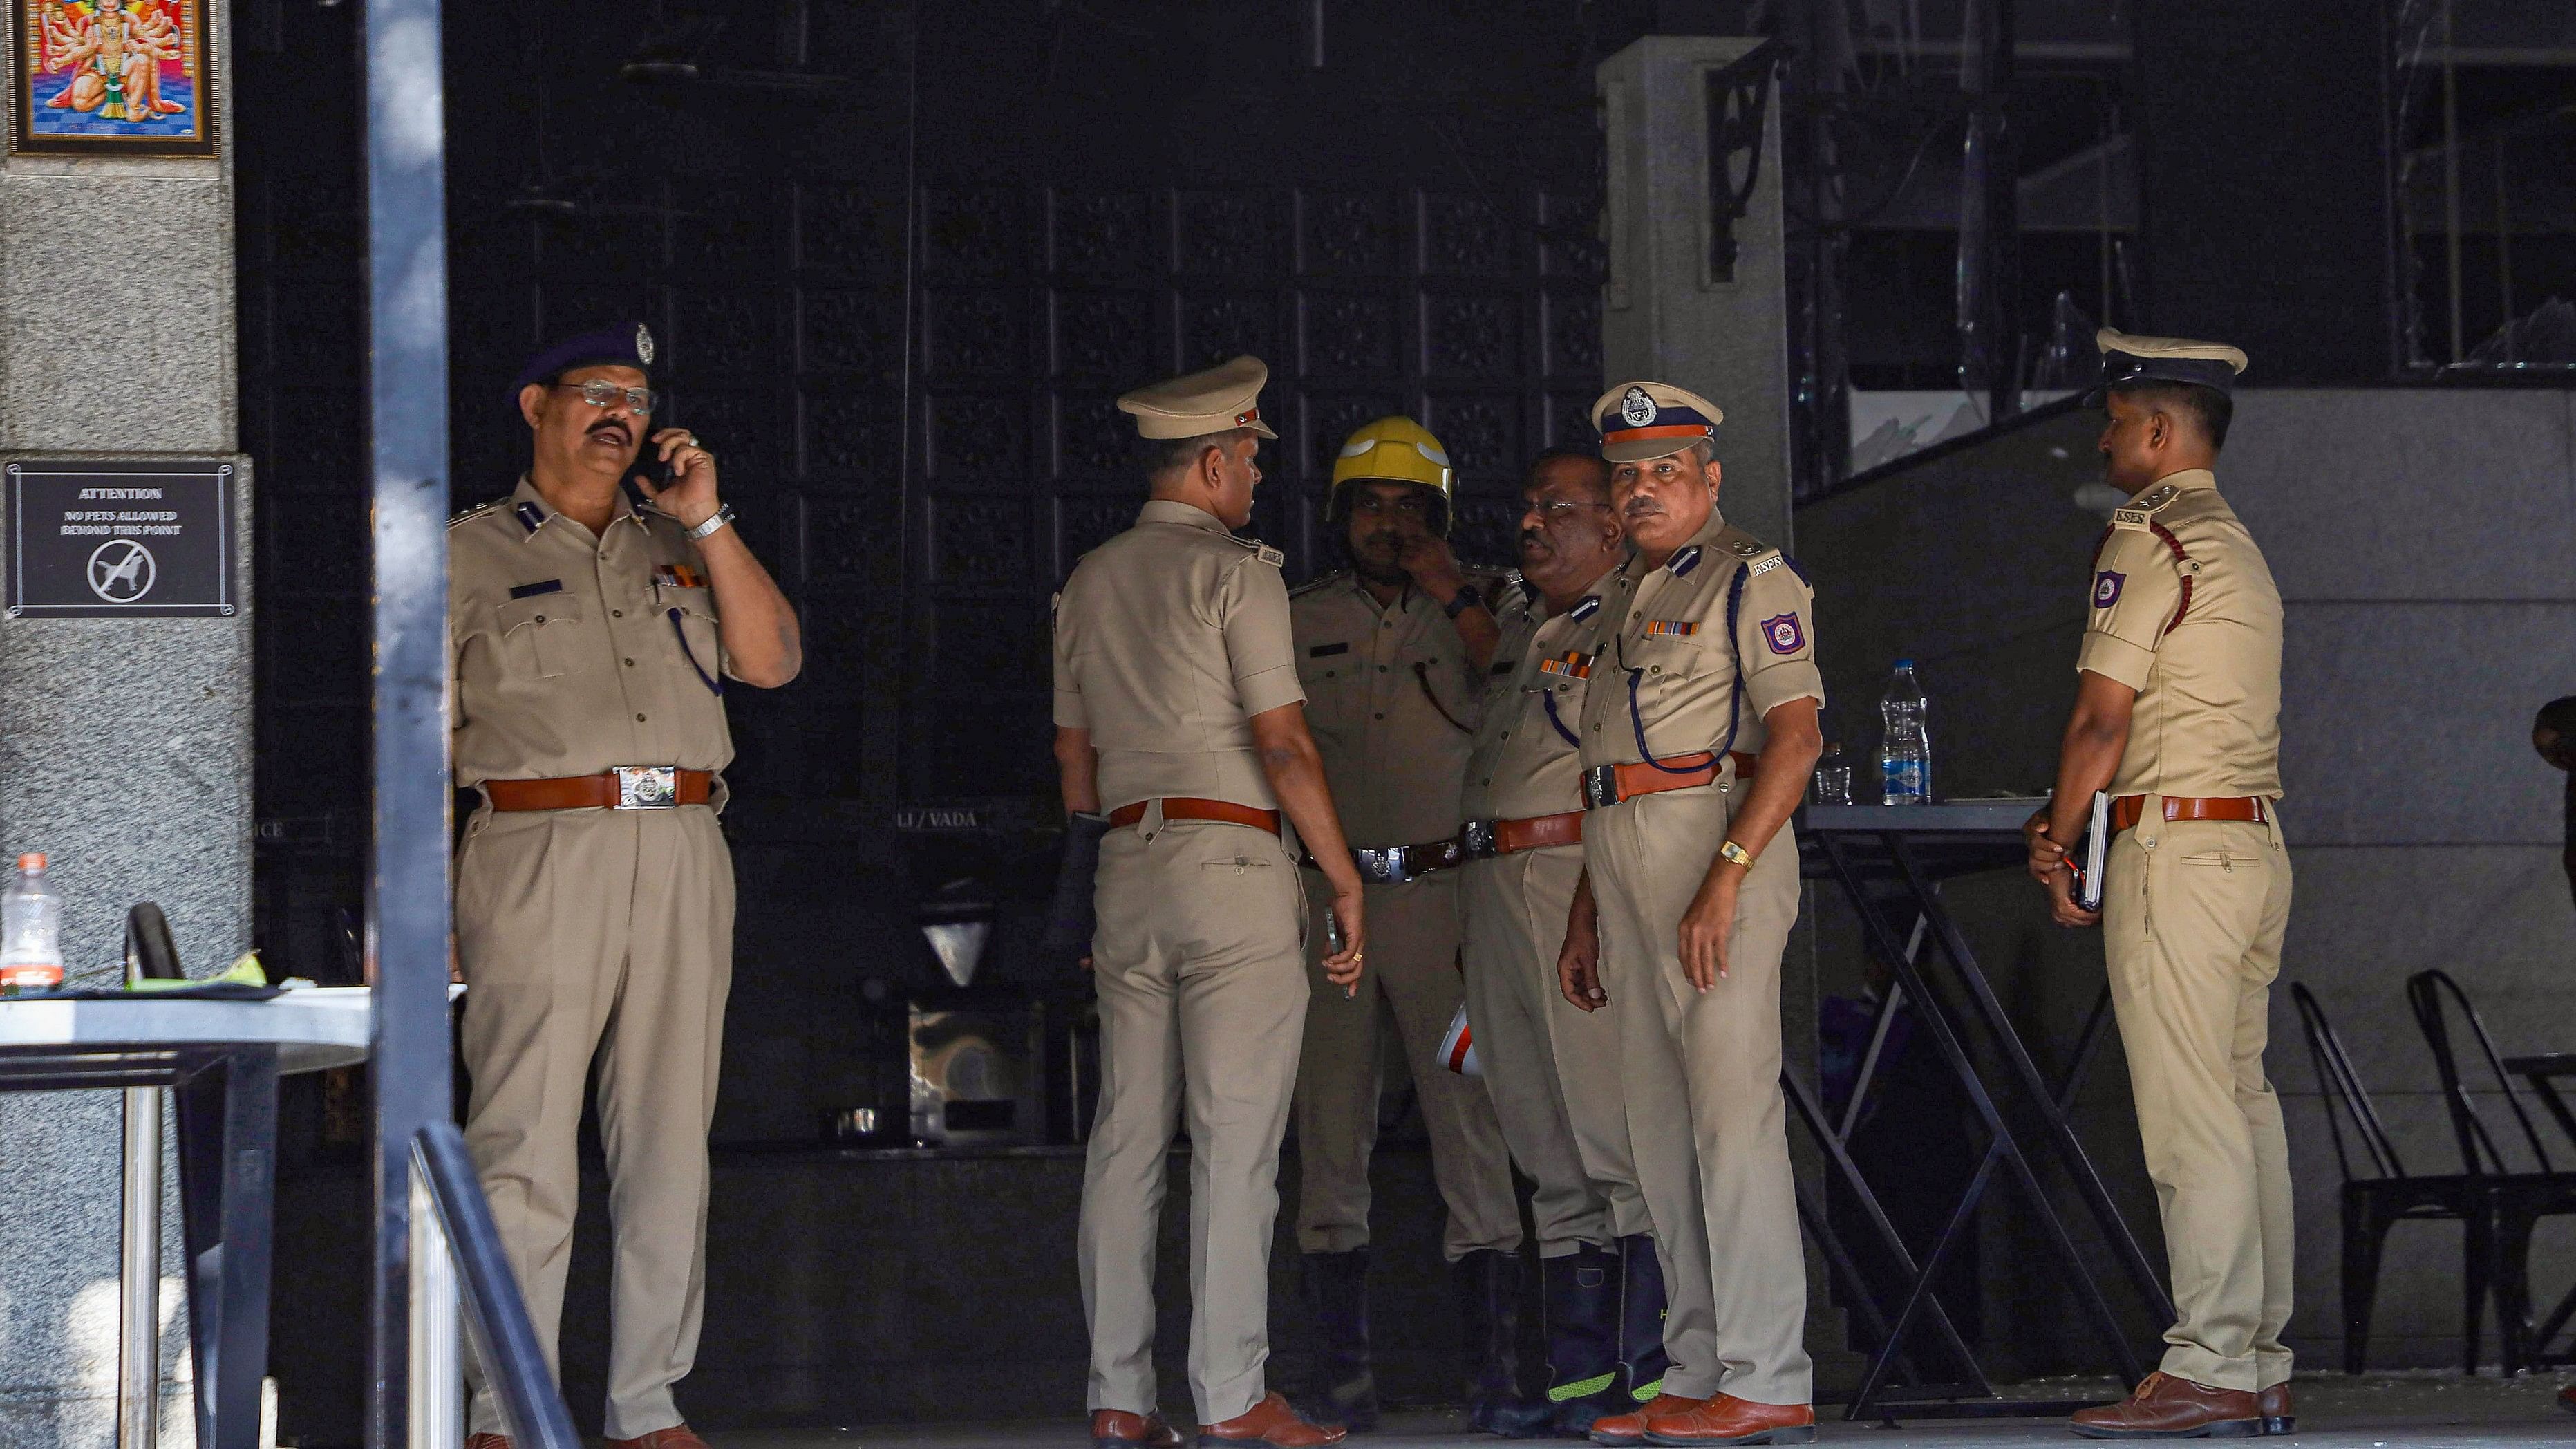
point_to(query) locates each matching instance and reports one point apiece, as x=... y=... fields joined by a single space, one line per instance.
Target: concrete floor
x=2392 y=1411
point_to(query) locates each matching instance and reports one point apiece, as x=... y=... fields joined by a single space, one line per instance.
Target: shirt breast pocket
x=692 y=613
x=1668 y=657
x=1329 y=683
x=545 y=636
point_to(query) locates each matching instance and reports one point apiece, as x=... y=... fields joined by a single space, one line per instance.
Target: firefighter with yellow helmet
x=1392 y=652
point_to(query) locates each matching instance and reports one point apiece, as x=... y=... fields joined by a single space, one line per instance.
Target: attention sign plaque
x=99 y=540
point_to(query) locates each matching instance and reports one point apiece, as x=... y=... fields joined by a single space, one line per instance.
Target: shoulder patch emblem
x=2131 y=518
x=1783 y=634
x=1767 y=565
x=2106 y=588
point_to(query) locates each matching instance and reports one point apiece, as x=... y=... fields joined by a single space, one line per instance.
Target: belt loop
x=1152 y=824
x=2272 y=822
x=2151 y=820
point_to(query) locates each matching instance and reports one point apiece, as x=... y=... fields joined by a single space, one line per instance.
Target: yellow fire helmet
x=1397 y=450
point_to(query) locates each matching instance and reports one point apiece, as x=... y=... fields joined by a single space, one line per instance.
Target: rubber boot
x=1342 y=1390
x=1489 y=1322
x=1641 y=1320
x=1582 y=1340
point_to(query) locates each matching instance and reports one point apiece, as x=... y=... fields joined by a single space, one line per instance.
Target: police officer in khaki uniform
x=1692 y=886
x=594 y=623
x=2178 y=715
x=1392 y=654
x=1553 y=1072
x=1177 y=714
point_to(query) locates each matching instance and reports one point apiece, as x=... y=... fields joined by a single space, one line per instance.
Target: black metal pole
x=407 y=900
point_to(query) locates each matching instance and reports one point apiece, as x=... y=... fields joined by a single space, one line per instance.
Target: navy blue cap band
x=2127 y=369
x=628 y=344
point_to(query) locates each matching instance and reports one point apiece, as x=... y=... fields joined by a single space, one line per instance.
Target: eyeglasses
x=1549 y=510
x=599 y=392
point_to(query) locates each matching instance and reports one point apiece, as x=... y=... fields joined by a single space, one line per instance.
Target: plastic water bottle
x=1905 y=748
x=31 y=930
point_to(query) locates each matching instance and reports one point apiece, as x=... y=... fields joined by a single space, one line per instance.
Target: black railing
x=496 y=1317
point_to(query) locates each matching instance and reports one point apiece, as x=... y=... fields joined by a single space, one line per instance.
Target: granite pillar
x=1698 y=296
x=124 y=743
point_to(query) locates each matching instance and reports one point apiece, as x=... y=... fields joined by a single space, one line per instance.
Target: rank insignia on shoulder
x=2158 y=496
x=477 y=511
x=1766 y=566
x=1572 y=664
x=1783 y=634
x=1745 y=548
x=1590 y=605
x=1271 y=556
x=530 y=591
x=678 y=576
x=2131 y=518
x=1671 y=628
x=1682 y=563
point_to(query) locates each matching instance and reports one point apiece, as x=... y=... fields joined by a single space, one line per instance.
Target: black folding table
x=221 y=1060
x=1890 y=861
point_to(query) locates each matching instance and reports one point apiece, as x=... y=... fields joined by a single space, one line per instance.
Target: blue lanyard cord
x=712 y=683
x=1734 y=697
x=1547 y=698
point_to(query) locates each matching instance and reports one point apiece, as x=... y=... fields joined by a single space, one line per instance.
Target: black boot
x=1342 y=1389
x=1582 y=1340
x=1641 y=1320
x=1489 y=1320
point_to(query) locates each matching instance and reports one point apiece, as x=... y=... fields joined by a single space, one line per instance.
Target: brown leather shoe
x=1270 y=1422
x=1631 y=1428
x=678 y=1436
x=1727 y=1419
x=1118 y=1429
x=2567 y=1398
x=2165 y=1407
x=487 y=1441
x=2278 y=1417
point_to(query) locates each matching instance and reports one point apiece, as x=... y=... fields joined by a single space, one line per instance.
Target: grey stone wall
x=124 y=744
x=2423 y=543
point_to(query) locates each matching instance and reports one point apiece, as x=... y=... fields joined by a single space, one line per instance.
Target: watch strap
x=720 y=518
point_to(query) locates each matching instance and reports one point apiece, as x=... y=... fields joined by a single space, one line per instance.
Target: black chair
x=2522 y=1187
x=2375 y=1203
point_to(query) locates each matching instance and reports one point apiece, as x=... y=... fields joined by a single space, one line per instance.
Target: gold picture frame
x=112 y=78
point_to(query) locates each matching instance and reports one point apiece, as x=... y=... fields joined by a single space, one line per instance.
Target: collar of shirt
x=1694 y=550
x=1172 y=510
x=2188 y=478
x=1591 y=590
x=533 y=512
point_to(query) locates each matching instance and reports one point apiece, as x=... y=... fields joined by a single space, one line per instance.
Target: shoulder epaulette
x=1319 y=581
x=2140 y=511
x=477 y=511
x=1743 y=547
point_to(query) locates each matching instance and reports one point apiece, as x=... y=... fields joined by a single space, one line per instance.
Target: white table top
x=313 y=1027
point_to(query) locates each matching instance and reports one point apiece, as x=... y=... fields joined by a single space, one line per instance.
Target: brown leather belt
x=1187 y=807
x=1606 y=785
x=2252 y=809
x=1485 y=839
x=628 y=787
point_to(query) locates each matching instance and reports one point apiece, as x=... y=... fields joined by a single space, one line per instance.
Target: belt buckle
x=1601 y=787
x=1382 y=866
x=647 y=787
x=1476 y=840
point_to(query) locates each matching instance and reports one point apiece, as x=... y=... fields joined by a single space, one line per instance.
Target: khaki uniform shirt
x=2184 y=611
x=576 y=654
x=1696 y=684
x=1169 y=638
x=1522 y=760
x=1391 y=700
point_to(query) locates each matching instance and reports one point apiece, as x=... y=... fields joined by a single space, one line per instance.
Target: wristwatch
x=722 y=516
x=1736 y=853
x=1465 y=599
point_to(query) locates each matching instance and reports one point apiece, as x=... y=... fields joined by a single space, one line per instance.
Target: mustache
x=624 y=433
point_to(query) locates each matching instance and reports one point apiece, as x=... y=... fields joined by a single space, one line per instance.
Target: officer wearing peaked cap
x=1181 y=742
x=1392 y=654
x=1691 y=888
x=2177 y=715
x=594 y=623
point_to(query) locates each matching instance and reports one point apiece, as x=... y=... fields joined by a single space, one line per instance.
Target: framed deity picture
x=112 y=78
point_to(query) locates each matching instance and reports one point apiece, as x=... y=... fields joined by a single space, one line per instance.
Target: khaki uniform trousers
x=1552 y=1070
x=1705 y=1115
x=1196 y=961
x=2193 y=913
x=1412 y=966
x=607 y=933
